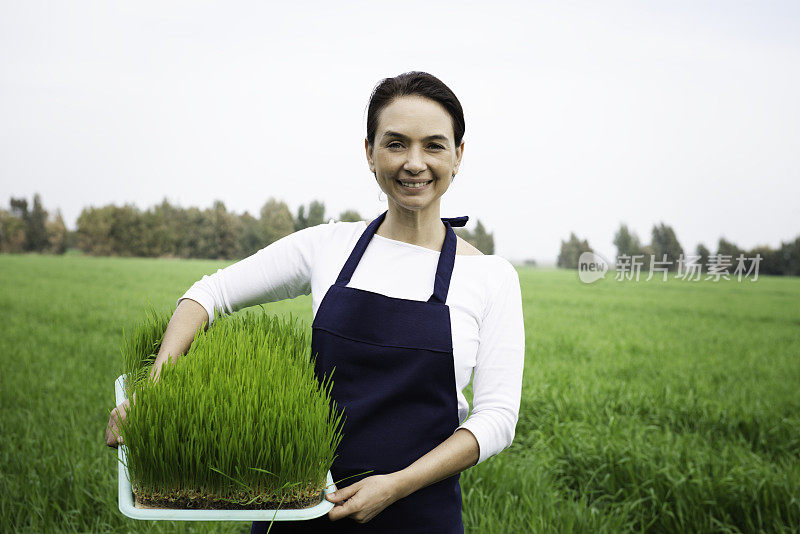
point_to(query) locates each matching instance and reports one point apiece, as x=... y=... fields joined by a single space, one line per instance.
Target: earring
x=379 y=197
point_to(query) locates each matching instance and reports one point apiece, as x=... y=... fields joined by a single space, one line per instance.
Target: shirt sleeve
x=281 y=270
x=497 y=376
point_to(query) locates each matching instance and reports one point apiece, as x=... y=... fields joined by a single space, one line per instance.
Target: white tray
x=126 y=504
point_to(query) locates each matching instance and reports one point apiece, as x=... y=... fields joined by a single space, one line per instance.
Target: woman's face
x=414 y=155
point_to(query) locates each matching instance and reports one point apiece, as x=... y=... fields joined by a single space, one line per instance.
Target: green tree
x=19 y=209
x=127 y=233
x=56 y=234
x=785 y=260
x=484 y=241
x=162 y=227
x=790 y=256
x=647 y=251
x=220 y=233
x=627 y=242
x=276 y=221
x=36 y=231
x=704 y=253
x=92 y=235
x=206 y=245
x=228 y=231
x=315 y=216
x=251 y=238
x=771 y=260
x=727 y=248
x=12 y=233
x=665 y=243
x=191 y=242
x=478 y=238
x=34 y=222
x=571 y=250
x=350 y=216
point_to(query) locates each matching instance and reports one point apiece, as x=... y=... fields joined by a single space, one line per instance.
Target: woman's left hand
x=365 y=499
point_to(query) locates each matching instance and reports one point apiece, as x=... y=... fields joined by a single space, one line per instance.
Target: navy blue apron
x=395 y=379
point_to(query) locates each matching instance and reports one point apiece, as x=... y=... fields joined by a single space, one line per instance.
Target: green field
x=660 y=407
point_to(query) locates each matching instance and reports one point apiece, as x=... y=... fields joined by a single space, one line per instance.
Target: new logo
x=591 y=267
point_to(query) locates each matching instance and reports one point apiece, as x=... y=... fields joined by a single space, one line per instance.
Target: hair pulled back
x=414 y=83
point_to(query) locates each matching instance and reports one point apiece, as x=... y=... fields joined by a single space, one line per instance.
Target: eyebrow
x=437 y=137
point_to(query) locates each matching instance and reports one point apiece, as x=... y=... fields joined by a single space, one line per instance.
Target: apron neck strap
x=444 y=268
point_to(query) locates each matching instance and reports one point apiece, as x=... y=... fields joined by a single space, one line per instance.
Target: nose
x=415 y=163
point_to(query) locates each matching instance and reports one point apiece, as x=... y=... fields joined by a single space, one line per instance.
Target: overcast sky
x=579 y=115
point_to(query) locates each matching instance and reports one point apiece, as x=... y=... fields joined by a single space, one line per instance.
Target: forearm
x=453 y=455
x=189 y=316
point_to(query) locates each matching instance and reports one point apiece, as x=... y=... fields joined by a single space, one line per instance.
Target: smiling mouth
x=414 y=185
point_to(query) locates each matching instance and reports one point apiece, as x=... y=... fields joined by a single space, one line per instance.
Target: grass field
x=660 y=407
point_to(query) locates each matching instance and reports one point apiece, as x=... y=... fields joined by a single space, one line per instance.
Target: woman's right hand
x=118 y=414
x=189 y=316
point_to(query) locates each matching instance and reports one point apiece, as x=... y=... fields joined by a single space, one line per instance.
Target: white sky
x=580 y=115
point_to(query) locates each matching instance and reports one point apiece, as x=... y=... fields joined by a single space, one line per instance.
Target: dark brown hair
x=414 y=83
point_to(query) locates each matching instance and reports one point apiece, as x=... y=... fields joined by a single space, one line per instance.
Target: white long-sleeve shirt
x=484 y=299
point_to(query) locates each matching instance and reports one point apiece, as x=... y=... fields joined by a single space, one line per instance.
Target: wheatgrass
x=240 y=421
x=140 y=346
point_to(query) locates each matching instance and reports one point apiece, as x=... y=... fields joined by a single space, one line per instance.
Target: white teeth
x=416 y=186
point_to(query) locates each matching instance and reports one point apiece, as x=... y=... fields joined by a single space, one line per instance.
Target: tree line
x=166 y=230
x=32 y=229
x=783 y=260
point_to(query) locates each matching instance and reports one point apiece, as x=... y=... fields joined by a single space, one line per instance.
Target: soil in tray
x=201 y=502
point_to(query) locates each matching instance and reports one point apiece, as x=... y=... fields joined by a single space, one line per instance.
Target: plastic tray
x=127 y=507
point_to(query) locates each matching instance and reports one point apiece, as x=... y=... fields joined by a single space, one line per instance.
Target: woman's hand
x=365 y=499
x=118 y=414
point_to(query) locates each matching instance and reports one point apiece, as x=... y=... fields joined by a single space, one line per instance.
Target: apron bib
x=393 y=374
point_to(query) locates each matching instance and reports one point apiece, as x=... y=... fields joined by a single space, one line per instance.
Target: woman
x=406 y=311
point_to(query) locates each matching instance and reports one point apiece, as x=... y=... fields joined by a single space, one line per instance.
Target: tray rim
x=127 y=507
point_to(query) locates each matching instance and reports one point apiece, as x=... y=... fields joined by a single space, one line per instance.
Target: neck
x=421 y=228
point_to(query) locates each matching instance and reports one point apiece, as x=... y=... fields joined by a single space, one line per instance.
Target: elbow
x=494 y=429
x=504 y=424
x=507 y=428
x=208 y=292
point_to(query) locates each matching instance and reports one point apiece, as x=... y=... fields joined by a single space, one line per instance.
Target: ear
x=369 y=156
x=459 y=153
